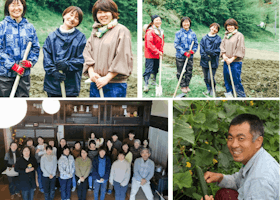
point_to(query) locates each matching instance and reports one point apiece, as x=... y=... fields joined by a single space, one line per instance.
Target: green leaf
x=230 y=109
x=182 y=179
x=183 y=130
x=270 y=128
x=203 y=158
x=199 y=118
x=224 y=158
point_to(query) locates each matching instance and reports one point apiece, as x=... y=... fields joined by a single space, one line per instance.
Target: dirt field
x=38 y=74
x=260 y=77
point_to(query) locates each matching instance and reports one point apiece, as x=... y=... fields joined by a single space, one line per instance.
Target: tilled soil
x=260 y=78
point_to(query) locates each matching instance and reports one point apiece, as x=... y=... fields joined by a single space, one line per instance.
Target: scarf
x=158 y=31
x=102 y=29
x=229 y=35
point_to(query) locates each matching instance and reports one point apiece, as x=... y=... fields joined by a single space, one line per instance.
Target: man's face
x=145 y=154
x=114 y=137
x=131 y=136
x=240 y=143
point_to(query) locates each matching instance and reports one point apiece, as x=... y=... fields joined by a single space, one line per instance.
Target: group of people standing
x=106 y=57
x=231 y=49
x=101 y=167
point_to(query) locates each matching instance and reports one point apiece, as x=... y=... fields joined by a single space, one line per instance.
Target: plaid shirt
x=143 y=169
x=14 y=38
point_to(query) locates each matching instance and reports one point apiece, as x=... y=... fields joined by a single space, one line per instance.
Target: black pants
x=6 y=85
x=186 y=79
x=57 y=95
x=82 y=189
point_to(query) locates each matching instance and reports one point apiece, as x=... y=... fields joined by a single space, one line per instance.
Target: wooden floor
x=5 y=194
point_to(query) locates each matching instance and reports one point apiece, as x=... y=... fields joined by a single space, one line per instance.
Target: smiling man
x=258 y=178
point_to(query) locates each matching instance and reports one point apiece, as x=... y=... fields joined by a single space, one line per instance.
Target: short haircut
x=215 y=24
x=49 y=147
x=29 y=139
x=41 y=138
x=231 y=22
x=74 y=9
x=183 y=19
x=137 y=141
x=131 y=132
x=144 y=148
x=7 y=4
x=92 y=142
x=83 y=149
x=25 y=148
x=78 y=142
x=115 y=133
x=107 y=6
x=102 y=149
x=65 y=147
x=121 y=152
x=256 y=125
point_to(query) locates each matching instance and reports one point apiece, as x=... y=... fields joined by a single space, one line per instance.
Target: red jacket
x=153 y=44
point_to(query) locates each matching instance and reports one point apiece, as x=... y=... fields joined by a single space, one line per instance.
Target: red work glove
x=18 y=69
x=26 y=64
x=191 y=52
x=187 y=54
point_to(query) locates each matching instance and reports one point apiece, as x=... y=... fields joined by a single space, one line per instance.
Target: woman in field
x=210 y=51
x=10 y=161
x=154 y=41
x=63 y=55
x=26 y=166
x=232 y=52
x=183 y=40
x=15 y=33
x=108 y=54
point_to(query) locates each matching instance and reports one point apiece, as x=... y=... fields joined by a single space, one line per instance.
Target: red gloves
x=191 y=52
x=26 y=64
x=187 y=54
x=18 y=69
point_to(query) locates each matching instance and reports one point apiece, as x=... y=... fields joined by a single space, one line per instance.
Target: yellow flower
x=191 y=172
x=224 y=100
x=215 y=161
x=190 y=127
x=209 y=150
x=188 y=164
x=251 y=103
x=206 y=142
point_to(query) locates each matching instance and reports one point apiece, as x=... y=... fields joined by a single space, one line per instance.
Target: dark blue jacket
x=14 y=38
x=95 y=164
x=210 y=50
x=68 y=47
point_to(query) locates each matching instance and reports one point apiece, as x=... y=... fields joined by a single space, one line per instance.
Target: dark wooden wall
x=2 y=151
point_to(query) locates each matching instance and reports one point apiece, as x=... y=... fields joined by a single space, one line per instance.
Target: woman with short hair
x=127 y=153
x=108 y=54
x=233 y=52
x=48 y=167
x=10 y=161
x=15 y=34
x=82 y=170
x=63 y=55
x=26 y=166
x=183 y=40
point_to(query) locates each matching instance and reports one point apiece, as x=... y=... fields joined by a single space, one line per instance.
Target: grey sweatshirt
x=48 y=165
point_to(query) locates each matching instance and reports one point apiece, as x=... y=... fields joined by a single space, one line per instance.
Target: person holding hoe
x=63 y=56
x=108 y=54
x=210 y=52
x=154 y=42
x=258 y=178
x=15 y=34
x=232 y=52
x=183 y=41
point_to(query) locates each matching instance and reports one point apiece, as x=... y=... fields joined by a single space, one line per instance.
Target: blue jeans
x=40 y=175
x=90 y=179
x=74 y=180
x=28 y=194
x=109 y=90
x=120 y=191
x=49 y=187
x=151 y=67
x=65 y=186
x=102 y=187
x=82 y=189
x=13 y=185
x=207 y=78
x=236 y=76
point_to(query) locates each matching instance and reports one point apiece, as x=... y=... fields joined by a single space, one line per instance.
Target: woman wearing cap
x=15 y=33
x=183 y=40
x=210 y=51
x=154 y=41
x=108 y=55
x=63 y=51
x=232 y=52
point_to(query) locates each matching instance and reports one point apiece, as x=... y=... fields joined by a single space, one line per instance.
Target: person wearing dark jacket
x=116 y=143
x=10 y=159
x=15 y=34
x=210 y=51
x=63 y=51
x=101 y=166
x=26 y=167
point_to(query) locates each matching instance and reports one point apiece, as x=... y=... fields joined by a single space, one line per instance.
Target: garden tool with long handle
x=62 y=86
x=182 y=72
x=212 y=79
x=231 y=79
x=15 y=86
x=159 y=87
